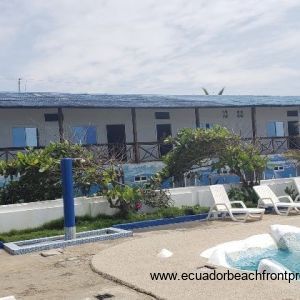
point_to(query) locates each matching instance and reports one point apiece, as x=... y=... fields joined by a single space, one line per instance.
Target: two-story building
x=135 y=125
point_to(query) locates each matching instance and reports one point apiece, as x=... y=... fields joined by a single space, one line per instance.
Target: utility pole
x=19 y=85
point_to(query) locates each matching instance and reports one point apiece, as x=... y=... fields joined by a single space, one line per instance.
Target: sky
x=151 y=46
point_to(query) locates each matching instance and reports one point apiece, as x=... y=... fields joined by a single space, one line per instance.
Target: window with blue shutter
x=25 y=137
x=84 y=135
x=275 y=129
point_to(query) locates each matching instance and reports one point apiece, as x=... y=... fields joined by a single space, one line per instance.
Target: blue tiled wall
x=206 y=176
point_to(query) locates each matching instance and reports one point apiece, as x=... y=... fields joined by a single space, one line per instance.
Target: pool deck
x=130 y=262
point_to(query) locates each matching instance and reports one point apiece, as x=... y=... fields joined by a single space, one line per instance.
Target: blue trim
x=159 y=222
x=1 y=245
x=22 y=247
x=67 y=183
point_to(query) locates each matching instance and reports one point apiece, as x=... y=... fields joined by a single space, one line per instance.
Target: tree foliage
x=195 y=147
x=245 y=194
x=243 y=160
x=216 y=147
x=35 y=175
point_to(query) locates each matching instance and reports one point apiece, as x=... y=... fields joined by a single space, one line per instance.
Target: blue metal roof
x=48 y=100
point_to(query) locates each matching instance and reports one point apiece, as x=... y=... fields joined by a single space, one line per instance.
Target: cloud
x=151 y=46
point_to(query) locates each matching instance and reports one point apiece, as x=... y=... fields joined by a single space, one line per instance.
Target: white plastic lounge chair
x=268 y=198
x=297 y=185
x=223 y=204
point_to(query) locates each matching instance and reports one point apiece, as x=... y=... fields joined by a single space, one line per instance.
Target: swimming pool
x=250 y=259
x=277 y=251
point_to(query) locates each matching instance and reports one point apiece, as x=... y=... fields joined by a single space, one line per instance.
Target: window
x=51 y=117
x=225 y=114
x=84 y=135
x=25 y=137
x=162 y=115
x=140 y=178
x=292 y=113
x=275 y=129
x=240 y=113
x=224 y=171
x=278 y=168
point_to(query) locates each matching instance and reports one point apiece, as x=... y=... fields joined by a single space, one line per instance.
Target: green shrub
x=245 y=194
x=35 y=175
x=291 y=192
x=172 y=212
x=194 y=210
x=127 y=198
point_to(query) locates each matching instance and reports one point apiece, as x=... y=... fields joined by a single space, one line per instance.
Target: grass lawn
x=88 y=223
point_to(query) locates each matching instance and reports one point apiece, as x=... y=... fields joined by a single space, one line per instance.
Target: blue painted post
x=69 y=210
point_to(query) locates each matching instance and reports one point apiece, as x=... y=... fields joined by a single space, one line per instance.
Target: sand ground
x=129 y=261
x=65 y=276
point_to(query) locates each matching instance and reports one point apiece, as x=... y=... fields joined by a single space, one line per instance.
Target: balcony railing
x=275 y=145
x=153 y=151
x=127 y=152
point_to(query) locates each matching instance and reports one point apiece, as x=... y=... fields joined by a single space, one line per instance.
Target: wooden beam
x=60 y=124
x=254 y=125
x=135 y=141
x=197 y=117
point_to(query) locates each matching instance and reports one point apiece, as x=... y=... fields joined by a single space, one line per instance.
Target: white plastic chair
x=222 y=204
x=268 y=198
x=297 y=185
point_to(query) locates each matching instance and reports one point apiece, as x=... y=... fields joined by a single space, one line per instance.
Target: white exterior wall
x=146 y=122
x=269 y=114
x=30 y=215
x=34 y=214
x=240 y=126
x=201 y=195
x=9 y=118
x=99 y=118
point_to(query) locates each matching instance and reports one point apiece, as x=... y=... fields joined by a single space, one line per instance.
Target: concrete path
x=132 y=261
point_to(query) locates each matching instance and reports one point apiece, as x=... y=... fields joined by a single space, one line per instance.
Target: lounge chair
x=222 y=204
x=297 y=185
x=268 y=198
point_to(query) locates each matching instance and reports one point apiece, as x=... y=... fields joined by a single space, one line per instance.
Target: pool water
x=250 y=260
